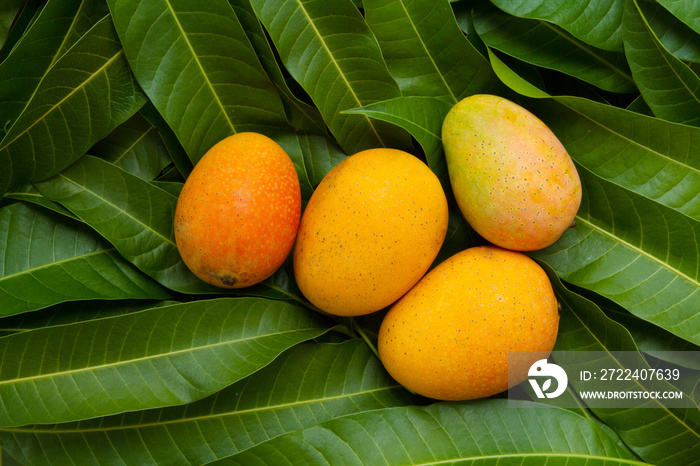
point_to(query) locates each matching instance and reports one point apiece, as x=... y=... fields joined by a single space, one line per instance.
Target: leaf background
x=114 y=353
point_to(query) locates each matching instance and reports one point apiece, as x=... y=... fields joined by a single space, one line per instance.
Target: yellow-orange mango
x=512 y=178
x=238 y=213
x=449 y=338
x=370 y=231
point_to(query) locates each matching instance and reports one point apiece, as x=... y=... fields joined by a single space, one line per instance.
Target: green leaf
x=668 y=85
x=485 y=432
x=425 y=50
x=48 y=259
x=313 y=156
x=676 y=36
x=635 y=252
x=652 y=157
x=514 y=81
x=158 y=357
x=87 y=93
x=134 y=146
x=659 y=435
x=300 y=114
x=688 y=12
x=544 y=44
x=59 y=24
x=8 y=12
x=648 y=337
x=28 y=193
x=25 y=17
x=76 y=311
x=320 y=382
x=198 y=68
x=596 y=22
x=422 y=117
x=134 y=215
x=328 y=48
x=177 y=153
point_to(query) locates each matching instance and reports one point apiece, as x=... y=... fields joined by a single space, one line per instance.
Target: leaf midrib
x=427 y=52
x=66 y=97
x=661 y=405
x=535 y=455
x=630 y=141
x=590 y=52
x=31 y=270
x=337 y=67
x=203 y=417
x=199 y=65
x=638 y=250
x=150 y=357
x=122 y=211
x=663 y=53
x=131 y=146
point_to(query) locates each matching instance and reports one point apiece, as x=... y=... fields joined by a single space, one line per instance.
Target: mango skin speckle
x=238 y=213
x=512 y=178
x=449 y=337
x=370 y=231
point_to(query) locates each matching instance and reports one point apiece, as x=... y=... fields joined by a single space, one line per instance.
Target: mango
x=512 y=178
x=370 y=231
x=238 y=213
x=450 y=336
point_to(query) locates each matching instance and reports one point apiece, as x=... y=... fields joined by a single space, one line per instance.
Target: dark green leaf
x=177 y=153
x=158 y=357
x=649 y=156
x=48 y=259
x=8 y=11
x=197 y=66
x=596 y=22
x=308 y=384
x=544 y=44
x=28 y=193
x=635 y=252
x=659 y=435
x=668 y=85
x=676 y=36
x=688 y=12
x=422 y=117
x=485 y=432
x=86 y=93
x=425 y=50
x=134 y=146
x=313 y=156
x=27 y=14
x=134 y=215
x=76 y=311
x=648 y=337
x=300 y=114
x=58 y=26
x=328 y=48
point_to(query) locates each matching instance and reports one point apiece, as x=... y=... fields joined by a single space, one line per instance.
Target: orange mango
x=238 y=213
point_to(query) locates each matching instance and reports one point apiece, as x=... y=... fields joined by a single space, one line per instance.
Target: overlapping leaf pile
x=112 y=352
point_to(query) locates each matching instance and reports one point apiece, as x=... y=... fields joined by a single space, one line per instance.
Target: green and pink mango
x=512 y=178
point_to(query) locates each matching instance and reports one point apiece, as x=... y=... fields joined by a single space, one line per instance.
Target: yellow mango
x=370 y=231
x=449 y=338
